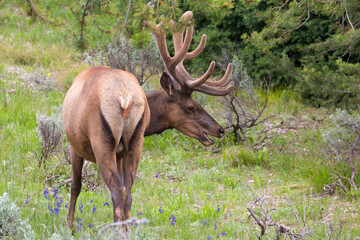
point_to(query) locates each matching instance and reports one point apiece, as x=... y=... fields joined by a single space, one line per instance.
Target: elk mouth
x=205 y=140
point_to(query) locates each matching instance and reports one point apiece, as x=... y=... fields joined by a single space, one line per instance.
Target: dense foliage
x=310 y=46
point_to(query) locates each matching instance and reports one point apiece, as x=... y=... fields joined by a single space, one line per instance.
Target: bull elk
x=106 y=115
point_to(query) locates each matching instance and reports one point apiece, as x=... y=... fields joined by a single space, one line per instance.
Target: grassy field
x=185 y=190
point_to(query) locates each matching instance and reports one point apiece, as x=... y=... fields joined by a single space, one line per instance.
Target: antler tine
x=192 y=82
x=198 y=50
x=170 y=62
x=224 y=80
x=180 y=55
x=218 y=88
x=160 y=36
x=215 y=91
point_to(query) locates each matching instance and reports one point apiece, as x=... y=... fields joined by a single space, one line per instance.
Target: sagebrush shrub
x=40 y=80
x=122 y=54
x=11 y=224
x=342 y=150
x=50 y=131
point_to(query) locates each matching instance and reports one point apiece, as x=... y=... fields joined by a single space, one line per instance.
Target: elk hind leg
x=77 y=163
x=131 y=162
x=106 y=162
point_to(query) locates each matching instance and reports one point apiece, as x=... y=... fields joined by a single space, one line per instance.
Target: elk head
x=179 y=109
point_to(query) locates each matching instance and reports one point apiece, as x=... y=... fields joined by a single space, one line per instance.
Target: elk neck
x=157 y=101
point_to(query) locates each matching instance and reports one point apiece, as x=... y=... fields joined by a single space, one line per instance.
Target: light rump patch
x=125 y=103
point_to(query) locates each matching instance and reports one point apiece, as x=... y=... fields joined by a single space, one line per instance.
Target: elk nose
x=221 y=131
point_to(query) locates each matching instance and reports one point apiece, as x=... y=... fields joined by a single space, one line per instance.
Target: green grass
x=176 y=174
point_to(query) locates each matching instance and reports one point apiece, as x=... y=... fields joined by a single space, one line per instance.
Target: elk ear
x=166 y=83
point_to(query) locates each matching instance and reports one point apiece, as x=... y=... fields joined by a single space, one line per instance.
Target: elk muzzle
x=206 y=141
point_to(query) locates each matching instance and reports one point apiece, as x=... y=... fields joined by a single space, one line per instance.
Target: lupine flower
x=223 y=233
x=109 y=215
x=160 y=210
x=91 y=201
x=218 y=235
x=66 y=206
x=46 y=192
x=139 y=213
x=208 y=237
x=157 y=175
x=204 y=222
x=173 y=220
x=56 y=191
x=56 y=210
x=80 y=207
x=93 y=210
x=218 y=209
x=91 y=225
x=215 y=227
x=51 y=210
x=27 y=198
x=58 y=203
x=106 y=203
x=80 y=224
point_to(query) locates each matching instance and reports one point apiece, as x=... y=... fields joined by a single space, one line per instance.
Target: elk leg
x=77 y=163
x=106 y=162
x=131 y=162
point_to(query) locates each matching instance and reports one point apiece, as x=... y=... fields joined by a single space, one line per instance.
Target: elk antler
x=174 y=65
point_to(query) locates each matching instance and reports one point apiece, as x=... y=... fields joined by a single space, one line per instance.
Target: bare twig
x=157 y=8
x=133 y=222
x=86 y=8
x=41 y=16
x=347 y=16
x=127 y=13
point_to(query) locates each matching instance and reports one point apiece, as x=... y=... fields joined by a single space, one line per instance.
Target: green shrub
x=11 y=224
x=342 y=151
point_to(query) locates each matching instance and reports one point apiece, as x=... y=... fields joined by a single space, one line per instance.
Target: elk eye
x=191 y=109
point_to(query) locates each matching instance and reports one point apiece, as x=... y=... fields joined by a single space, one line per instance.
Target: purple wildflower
x=51 y=210
x=173 y=220
x=91 y=201
x=58 y=203
x=218 y=235
x=139 y=213
x=80 y=207
x=91 y=225
x=66 y=206
x=209 y=237
x=56 y=210
x=80 y=225
x=160 y=210
x=223 y=233
x=215 y=227
x=46 y=192
x=27 y=198
x=204 y=222
x=56 y=191
x=106 y=203
x=109 y=215
x=93 y=210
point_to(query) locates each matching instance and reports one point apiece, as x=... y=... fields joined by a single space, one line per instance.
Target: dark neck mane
x=157 y=103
